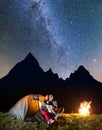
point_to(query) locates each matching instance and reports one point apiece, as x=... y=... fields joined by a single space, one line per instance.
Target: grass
x=66 y=122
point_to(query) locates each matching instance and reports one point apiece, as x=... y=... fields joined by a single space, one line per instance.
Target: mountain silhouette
x=82 y=77
x=28 y=77
x=26 y=70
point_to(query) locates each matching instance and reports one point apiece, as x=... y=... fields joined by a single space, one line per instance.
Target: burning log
x=84 y=108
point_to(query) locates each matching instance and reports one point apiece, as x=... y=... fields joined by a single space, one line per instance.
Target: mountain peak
x=30 y=56
x=80 y=72
x=30 y=59
x=50 y=71
x=81 y=76
x=28 y=66
x=51 y=74
x=82 y=69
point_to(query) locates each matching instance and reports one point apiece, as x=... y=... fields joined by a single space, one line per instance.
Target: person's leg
x=46 y=116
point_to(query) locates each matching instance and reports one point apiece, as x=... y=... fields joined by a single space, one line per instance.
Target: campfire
x=84 y=108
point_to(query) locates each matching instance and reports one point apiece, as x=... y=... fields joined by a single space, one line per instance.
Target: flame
x=85 y=107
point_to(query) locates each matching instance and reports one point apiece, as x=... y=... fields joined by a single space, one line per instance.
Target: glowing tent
x=27 y=106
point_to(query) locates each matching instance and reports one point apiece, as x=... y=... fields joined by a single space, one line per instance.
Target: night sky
x=61 y=34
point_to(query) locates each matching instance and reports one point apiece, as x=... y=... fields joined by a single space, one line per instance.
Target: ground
x=66 y=122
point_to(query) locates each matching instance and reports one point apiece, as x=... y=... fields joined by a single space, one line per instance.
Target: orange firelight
x=85 y=107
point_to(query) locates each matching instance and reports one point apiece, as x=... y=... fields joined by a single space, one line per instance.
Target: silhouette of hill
x=82 y=77
x=25 y=71
x=27 y=74
x=28 y=77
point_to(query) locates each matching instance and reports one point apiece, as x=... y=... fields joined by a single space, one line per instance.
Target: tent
x=27 y=106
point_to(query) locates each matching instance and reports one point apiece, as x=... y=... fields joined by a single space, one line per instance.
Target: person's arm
x=50 y=109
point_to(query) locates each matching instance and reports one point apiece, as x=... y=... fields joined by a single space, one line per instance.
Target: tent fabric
x=27 y=106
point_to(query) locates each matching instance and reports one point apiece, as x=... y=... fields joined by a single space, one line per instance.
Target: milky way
x=61 y=34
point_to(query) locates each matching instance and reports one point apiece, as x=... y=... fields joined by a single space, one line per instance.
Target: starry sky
x=61 y=34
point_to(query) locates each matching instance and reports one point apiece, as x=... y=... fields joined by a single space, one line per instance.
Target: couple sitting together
x=33 y=105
